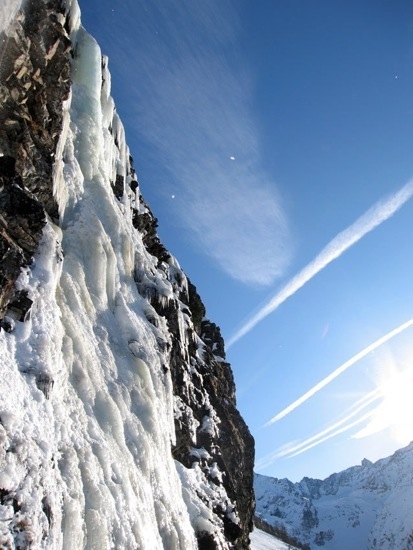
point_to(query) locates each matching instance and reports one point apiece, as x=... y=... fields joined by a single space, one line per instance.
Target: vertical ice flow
x=97 y=448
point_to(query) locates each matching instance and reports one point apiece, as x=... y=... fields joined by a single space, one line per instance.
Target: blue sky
x=269 y=138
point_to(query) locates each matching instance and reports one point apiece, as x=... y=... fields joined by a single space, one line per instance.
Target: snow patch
x=8 y=12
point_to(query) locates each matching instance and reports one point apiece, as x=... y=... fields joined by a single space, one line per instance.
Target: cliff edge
x=118 y=418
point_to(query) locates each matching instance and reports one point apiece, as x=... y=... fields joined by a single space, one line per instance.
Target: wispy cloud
x=334 y=429
x=338 y=431
x=347 y=364
x=389 y=407
x=376 y=215
x=193 y=103
x=296 y=448
x=396 y=409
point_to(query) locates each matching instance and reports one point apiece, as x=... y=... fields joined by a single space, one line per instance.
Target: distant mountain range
x=362 y=508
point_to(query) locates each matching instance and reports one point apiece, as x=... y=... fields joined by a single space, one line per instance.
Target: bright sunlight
x=395 y=412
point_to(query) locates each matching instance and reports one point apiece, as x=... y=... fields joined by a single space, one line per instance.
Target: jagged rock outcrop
x=34 y=82
x=110 y=367
x=210 y=431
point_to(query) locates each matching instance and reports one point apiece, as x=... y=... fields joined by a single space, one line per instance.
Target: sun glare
x=395 y=412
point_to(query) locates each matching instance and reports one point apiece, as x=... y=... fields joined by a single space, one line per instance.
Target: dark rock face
x=147 y=225
x=34 y=82
x=207 y=419
x=210 y=433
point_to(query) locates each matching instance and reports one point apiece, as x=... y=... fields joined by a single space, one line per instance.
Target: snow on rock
x=365 y=507
x=8 y=12
x=118 y=424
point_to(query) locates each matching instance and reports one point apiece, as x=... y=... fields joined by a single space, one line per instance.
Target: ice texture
x=86 y=416
x=8 y=10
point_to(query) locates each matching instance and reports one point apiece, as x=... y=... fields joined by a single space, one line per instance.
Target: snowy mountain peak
x=118 y=424
x=364 y=507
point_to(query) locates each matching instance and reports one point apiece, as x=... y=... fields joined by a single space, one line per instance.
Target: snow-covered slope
x=364 y=507
x=265 y=541
x=118 y=425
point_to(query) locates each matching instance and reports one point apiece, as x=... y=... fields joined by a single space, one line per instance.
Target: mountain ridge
x=366 y=506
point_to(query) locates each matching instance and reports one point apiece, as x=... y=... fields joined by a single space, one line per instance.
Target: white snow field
x=264 y=541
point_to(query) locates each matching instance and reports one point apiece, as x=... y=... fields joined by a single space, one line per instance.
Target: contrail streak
x=376 y=215
x=337 y=432
x=339 y=371
x=295 y=449
x=335 y=428
x=365 y=402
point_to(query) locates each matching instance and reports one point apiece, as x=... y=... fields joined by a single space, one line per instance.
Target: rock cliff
x=118 y=418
